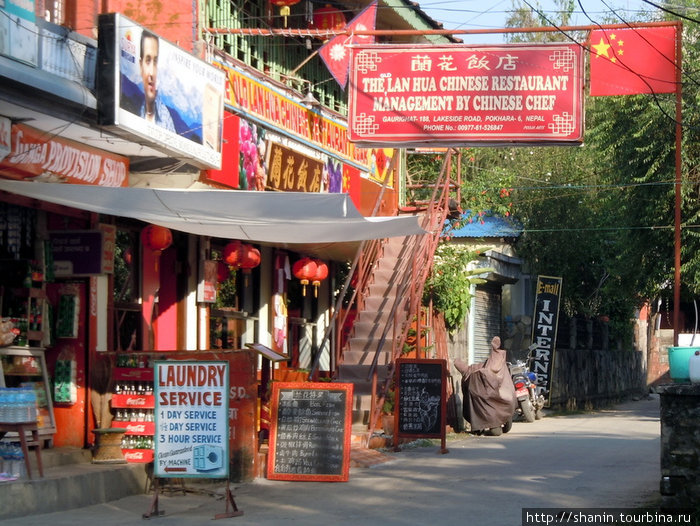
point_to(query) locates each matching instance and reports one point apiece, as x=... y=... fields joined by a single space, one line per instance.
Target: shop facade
x=97 y=294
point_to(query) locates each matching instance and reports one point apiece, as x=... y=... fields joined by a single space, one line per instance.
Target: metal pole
x=678 y=201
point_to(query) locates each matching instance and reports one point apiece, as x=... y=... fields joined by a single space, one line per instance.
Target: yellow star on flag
x=601 y=49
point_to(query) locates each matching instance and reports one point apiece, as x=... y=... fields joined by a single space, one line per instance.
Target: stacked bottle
x=11 y=461
x=137 y=442
x=17 y=404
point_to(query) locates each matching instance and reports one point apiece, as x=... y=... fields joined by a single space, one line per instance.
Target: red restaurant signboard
x=462 y=95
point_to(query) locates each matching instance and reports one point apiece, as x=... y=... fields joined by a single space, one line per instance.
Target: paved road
x=607 y=459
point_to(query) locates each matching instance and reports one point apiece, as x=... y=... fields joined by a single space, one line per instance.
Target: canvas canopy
x=280 y=218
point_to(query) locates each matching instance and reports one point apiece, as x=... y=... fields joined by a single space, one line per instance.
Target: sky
x=492 y=14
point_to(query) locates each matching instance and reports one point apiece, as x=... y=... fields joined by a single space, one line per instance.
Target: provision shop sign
x=466 y=95
x=38 y=154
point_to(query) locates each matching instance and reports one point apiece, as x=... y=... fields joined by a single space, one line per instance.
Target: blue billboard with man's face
x=158 y=92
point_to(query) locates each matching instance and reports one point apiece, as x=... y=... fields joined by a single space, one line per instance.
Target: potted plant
x=388 y=412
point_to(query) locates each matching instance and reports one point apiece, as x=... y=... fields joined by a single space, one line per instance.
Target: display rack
x=132 y=404
x=26 y=367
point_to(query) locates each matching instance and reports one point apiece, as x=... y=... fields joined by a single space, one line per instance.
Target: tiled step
x=365 y=357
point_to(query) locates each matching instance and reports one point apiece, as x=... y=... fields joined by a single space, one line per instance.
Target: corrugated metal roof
x=492 y=226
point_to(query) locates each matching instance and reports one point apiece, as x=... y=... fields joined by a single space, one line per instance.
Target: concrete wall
x=588 y=371
x=585 y=379
x=680 y=445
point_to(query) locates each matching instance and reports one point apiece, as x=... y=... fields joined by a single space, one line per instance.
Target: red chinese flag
x=630 y=61
x=335 y=53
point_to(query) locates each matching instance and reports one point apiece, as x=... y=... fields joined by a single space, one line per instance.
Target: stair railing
x=408 y=303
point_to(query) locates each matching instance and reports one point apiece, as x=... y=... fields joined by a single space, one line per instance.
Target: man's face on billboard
x=149 y=68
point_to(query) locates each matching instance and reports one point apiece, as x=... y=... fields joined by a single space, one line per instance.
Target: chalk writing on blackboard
x=310 y=434
x=420 y=396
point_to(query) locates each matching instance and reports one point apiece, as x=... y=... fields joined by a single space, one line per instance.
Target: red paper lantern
x=328 y=17
x=284 y=6
x=222 y=271
x=304 y=270
x=233 y=252
x=156 y=238
x=250 y=259
x=320 y=274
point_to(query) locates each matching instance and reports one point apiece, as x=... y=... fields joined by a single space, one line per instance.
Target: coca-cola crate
x=132 y=400
x=136 y=428
x=138 y=455
x=130 y=374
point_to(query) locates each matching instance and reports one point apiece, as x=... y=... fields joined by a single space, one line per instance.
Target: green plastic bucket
x=679 y=361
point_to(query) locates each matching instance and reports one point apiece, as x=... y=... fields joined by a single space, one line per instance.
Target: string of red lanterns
x=309 y=270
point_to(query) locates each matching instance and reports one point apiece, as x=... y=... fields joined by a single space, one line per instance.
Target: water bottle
x=4 y=458
x=4 y=401
x=16 y=461
x=694 y=367
x=11 y=410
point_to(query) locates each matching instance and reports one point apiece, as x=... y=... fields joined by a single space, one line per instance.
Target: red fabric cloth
x=632 y=61
x=335 y=53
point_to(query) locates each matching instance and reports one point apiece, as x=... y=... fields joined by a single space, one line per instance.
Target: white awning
x=284 y=218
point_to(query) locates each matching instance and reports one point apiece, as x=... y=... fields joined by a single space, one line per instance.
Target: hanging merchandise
x=305 y=271
x=65 y=383
x=68 y=316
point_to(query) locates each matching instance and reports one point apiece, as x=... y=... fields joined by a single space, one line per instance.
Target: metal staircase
x=388 y=278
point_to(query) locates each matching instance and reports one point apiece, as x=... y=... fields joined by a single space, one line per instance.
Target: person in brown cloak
x=488 y=393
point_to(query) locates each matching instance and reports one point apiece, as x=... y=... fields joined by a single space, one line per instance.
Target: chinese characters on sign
x=310 y=432
x=292 y=172
x=463 y=94
x=420 y=401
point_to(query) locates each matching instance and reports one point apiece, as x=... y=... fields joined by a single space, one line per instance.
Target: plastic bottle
x=16 y=461
x=4 y=401
x=11 y=410
x=694 y=368
x=4 y=460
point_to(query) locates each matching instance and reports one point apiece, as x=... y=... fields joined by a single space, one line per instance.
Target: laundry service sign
x=191 y=419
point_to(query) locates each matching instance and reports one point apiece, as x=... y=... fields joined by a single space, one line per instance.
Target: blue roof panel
x=493 y=226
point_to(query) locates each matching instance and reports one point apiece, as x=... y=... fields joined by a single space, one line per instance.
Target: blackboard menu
x=310 y=431
x=420 y=397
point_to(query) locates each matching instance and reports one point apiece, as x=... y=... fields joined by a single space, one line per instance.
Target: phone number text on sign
x=191 y=419
x=460 y=94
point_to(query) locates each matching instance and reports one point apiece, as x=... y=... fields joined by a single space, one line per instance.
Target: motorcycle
x=530 y=403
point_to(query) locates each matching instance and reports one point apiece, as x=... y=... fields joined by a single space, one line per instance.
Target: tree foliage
x=449 y=285
x=601 y=215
